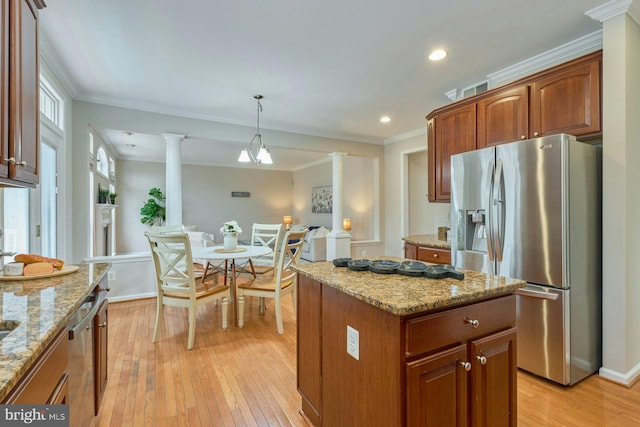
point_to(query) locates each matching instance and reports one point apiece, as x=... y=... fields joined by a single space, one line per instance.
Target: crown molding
x=582 y=46
x=614 y=8
x=406 y=135
x=47 y=54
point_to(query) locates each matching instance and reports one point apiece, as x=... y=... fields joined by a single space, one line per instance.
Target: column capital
x=337 y=154
x=175 y=138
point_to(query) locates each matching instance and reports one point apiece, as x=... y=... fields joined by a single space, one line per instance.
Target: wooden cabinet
x=427 y=253
x=455 y=132
x=567 y=101
x=46 y=381
x=20 y=87
x=450 y=368
x=564 y=99
x=503 y=117
x=100 y=332
x=309 y=379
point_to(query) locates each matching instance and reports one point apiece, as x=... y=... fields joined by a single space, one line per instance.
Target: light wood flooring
x=247 y=377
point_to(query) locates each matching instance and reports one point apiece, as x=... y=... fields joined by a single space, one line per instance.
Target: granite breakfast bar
x=34 y=314
x=396 y=350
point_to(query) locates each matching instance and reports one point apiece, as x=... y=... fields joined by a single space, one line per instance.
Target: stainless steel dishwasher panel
x=542 y=318
x=81 y=365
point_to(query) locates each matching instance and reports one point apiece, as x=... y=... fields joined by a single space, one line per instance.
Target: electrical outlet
x=353 y=343
x=111 y=275
x=364 y=253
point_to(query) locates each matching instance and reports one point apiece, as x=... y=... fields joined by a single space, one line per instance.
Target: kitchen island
x=34 y=314
x=395 y=350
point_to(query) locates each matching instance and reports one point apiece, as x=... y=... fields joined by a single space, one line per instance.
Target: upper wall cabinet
x=564 y=99
x=20 y=86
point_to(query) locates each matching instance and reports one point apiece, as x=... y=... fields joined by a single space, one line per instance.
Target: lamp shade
x=287 y=220
x=346 y=224
x=244 y=156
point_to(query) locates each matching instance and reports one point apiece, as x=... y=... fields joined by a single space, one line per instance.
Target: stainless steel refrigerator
x=532 y=210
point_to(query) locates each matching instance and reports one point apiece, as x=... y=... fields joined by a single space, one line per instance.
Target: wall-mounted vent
x=475 y=89
x=458 y=94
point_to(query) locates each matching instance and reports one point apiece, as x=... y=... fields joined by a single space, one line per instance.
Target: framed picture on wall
x=322 y=199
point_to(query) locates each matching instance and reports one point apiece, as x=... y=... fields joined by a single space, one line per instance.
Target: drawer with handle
x=434 y=331
x=440 y=256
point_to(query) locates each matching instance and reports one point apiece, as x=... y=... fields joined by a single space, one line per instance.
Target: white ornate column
x=173 y=192
x=338 y=240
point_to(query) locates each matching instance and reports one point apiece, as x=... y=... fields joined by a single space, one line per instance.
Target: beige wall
x=405 y=189
x=207 y=201
x=621 y=199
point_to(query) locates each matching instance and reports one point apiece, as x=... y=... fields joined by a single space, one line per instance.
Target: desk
x=210 y=254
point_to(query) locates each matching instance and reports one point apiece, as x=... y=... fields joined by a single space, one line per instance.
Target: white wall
x=207 y=201
x=405 y=190
x=621 y=199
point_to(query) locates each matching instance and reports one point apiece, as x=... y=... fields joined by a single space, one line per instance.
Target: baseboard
x=132 y=297
x=627 y=379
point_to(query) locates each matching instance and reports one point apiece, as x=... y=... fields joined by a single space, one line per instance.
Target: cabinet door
x=100 y=341
x=431 y=160
x=437 y=389
x=24 y=125
x=4 y=88
x=455 y=133
x=503 y=117
x=309 y=330
x=567 y=102
x=493 y=390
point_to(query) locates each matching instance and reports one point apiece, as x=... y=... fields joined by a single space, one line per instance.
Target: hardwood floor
x=247 y=377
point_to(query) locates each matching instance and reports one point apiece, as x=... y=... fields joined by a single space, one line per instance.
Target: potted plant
x=103 y=195
x=112 y=198
x=153 y=211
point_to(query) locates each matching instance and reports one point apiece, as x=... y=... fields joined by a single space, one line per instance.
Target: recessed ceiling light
x=437 y=55
x=131 y=145
x=385 y=119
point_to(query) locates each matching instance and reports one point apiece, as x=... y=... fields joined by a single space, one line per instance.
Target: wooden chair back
x=288 y=255
x=173 y=263
x=267 y=235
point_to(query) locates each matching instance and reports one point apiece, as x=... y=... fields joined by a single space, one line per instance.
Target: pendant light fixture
x=257 y=152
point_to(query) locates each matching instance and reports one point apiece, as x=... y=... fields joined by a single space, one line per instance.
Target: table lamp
x=287 y=220
x=346 y=224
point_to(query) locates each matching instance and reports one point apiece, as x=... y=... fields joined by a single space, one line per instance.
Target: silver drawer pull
x=482 y=360
x=10 y=160
x=103 y=324
x=22 y=163
x=472 y=322
x=466 y=365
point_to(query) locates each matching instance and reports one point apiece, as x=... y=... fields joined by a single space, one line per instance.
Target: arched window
x=103 y=163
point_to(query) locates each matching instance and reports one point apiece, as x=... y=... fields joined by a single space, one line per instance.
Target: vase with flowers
x=230 y=231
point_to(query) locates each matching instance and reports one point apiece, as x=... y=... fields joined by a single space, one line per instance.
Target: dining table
x=218 y=253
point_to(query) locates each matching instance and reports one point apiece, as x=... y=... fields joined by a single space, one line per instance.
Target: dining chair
x=176 y=282
x=265 y=235
x=274 y=286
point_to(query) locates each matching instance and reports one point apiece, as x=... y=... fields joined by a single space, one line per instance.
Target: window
x=51 y=105
x=103 y=162
x=48 y=199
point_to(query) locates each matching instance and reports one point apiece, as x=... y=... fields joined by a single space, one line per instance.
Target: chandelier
x=257 y=152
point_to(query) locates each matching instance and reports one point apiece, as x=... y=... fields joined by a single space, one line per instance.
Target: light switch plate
x=353 y=343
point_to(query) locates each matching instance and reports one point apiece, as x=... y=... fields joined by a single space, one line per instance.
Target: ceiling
x=329 y=68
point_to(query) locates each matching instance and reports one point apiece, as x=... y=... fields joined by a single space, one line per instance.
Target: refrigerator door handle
x=537 y=294
x=490 y=213
x=498 y=203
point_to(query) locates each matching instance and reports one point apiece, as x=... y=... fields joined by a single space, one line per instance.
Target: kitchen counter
x=404 y=295
x=430 y=240
x=40 y=307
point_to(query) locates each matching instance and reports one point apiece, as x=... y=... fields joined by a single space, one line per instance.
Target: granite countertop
x=430 y=240
x=40 y=308
x=404 y=295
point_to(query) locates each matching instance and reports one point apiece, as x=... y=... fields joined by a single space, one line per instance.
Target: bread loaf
x=37 y=268
x=33 y=258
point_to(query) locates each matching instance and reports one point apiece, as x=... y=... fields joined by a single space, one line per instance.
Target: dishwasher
x=81 y=361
